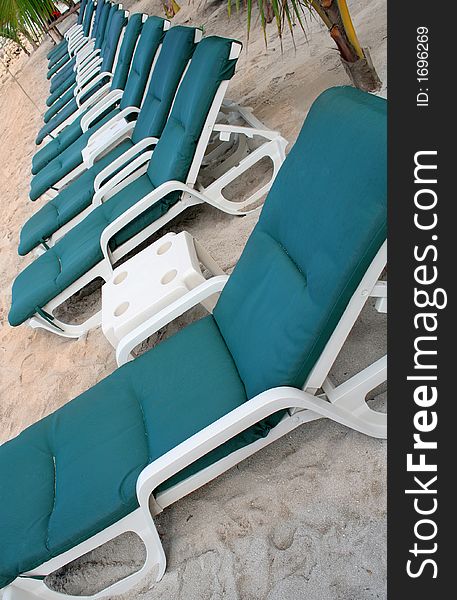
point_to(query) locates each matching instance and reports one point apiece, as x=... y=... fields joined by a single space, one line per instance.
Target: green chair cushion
x=139 y=70
x=78 y=251
x=124 y=59
x=67 y=96
x=321 y=226
x=177 y=49
x=70 y=82
x=58 y=52
x=71 y=201
x=210 y=65
x=65 y=138
x=66 y=112
x=74 y=473
x=65 y=67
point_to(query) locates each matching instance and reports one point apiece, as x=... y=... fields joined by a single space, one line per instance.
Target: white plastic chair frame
x=88 y=76
x=345 y=404
x=119 y=128
x=77 y=42
x=99 y=101
x=274 y=147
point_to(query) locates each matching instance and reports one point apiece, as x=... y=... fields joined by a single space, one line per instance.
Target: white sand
x=305 y=518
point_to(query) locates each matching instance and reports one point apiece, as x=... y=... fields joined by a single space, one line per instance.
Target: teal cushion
x=64 y=72
x=131 y=33
x=58 y=52
x=77 y=252
x=322 y=224
x=71 y=201
x=74 y=473
x=60 y=102
x=60 y=90
x=82 y=8
x=138 y=75
x=63 y=63
x=65 y=138
x=177 y=49
x=66 y=112
x=88 y=13
x=61 y=165
x=111 y=42
x=210 y=65
x=100 y=25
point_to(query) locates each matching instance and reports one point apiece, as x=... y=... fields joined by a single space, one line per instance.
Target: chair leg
x=28 y=588
x=65 y=329
x=351 y=396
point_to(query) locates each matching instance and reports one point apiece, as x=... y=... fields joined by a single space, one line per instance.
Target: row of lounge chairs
x=138 y=116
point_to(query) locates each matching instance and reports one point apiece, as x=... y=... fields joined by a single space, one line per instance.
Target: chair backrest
x=82 y=8
x=322 y=224
x=116 y=23
x=87 y=19
x=177 y=48
x=150 y=39
x=124 y=59
x=210 y=66
x=106 y=10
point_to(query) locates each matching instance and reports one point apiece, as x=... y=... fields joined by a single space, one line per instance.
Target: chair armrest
x=145 y=203
x=133 y=212
x=83 y=88
x=226 y=130
x=86 y=79
x=125 y=176
x=193 y=297
x=110 y=100
x=121 y=116
x=119 y=162
x=86 y=54
x=88 y=68
x=94 y=98
x=80 y=44
x=72 y=30
x=238 y=420
x=90 y=155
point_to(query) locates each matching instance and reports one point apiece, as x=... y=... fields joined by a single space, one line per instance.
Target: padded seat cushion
x=67 y=136
x=78 y=251
x=60 y=70
x=74 y=472
x=62 y=88
x=57 y=120
x=71 y=201
x=57 y=53
x=66 y=96
x=322 y=224
x=63 y=164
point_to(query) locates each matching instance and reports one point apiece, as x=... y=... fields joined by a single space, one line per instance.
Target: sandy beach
x=306 y=517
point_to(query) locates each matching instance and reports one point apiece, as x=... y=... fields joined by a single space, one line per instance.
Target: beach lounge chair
x=224 y=387
x=60 y=49
x=81 y=42
x=81 y=30
x=176 y=51
x=121 y=139
x=169 y=175
x=80 y=93
x=104 y=60
x=124 y=91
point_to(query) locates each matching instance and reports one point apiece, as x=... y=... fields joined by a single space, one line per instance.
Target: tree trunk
x=356 y=60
